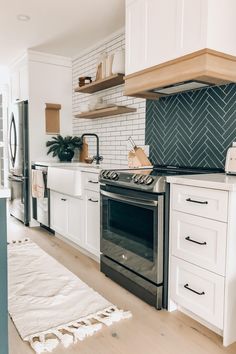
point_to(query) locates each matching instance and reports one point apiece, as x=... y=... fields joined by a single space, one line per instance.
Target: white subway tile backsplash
x=112 y=131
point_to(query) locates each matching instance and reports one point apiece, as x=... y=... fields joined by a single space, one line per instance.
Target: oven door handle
x=121 y=198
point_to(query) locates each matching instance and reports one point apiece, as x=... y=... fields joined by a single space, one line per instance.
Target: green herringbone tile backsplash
x=193 y=128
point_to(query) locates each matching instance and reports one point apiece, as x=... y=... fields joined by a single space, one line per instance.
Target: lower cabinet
x=198 y=290
x=202 y=273
x=66 y=216
x=92 y=222
x=77 y=219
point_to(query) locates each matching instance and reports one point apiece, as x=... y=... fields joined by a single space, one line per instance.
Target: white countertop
x=84 y=166
x=4 y=192
x=81 y=165
x=219 y=181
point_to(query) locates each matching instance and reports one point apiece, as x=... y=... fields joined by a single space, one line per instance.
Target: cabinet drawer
x=198 y=291
x=199 y=240
x=59 y=212
x=209 y=203
x=92 y=222
x=91 y=181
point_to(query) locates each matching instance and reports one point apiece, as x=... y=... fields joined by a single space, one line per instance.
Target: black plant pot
x=66 y=155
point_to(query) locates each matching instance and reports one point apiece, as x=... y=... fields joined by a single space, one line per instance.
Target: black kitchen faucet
x=96 y=157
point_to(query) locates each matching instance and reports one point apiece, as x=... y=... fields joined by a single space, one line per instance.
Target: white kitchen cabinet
x=66 y=216
x=191 y=26
x=208 y=203
x=136 y=31
x=75 y=220
x=91 y=181
x=15 y=86
x=23 y=83
x=92 y=222
x=19 y=86
x=200 y=241
x=198 y=290
x=161 y=30
x=78 y=219
x=161 y=34
x=59 y=212
x=202 y=267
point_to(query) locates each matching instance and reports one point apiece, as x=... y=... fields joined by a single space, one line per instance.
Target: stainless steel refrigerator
x=19 y=162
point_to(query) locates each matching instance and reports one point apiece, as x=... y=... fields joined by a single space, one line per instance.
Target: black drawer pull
x=186 y=286
x=93 y=200
x=63 y=199
x=197 y=242
x=94 y=182
x=195 y=201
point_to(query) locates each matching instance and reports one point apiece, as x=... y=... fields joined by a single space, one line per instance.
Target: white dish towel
x=38 y=187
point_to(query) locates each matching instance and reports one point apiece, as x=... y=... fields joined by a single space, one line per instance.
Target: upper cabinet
x=160 y=32
x=19 y=86
x=136 y=58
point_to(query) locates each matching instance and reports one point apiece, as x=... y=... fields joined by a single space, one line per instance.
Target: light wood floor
x=148 y=332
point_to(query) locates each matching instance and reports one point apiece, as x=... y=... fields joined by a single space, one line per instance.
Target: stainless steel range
x=134 y=229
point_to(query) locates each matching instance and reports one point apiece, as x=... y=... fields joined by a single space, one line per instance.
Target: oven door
x=132 y=231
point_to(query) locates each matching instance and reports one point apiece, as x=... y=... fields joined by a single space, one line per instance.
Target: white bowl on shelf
x=94 y=101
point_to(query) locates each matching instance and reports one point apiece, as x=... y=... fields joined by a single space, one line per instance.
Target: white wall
x=4 y=75
x=4 y=92
x=112 y=131
x=50 y=81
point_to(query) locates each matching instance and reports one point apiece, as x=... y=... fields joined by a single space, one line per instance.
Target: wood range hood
x=193 y=71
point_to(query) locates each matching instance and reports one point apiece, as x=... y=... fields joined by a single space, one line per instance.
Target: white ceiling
x=62 y=27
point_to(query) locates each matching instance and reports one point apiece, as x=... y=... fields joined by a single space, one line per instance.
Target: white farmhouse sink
x=66 y=180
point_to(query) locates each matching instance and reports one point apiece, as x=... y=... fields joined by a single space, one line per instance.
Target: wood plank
x=106 y=112
x=111 y=81
x=52 y=118
x=148 y=332
x=205 y=65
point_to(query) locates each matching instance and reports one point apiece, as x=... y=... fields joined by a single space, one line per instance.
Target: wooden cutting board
x=84 y=151
x=141 y=156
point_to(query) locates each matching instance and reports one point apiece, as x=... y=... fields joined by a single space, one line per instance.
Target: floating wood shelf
x=106 y=112
x=103 y=84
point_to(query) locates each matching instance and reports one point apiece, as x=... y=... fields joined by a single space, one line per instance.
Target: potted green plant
x=64 y=147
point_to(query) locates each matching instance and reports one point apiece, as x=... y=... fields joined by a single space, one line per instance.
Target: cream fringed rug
x=48 y=304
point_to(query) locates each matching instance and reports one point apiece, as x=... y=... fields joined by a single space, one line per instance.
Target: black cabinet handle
x=196 y=201
x=94 y=182
x=63 y=199
x=197 y=242
x=186 y=286
x=93 y=200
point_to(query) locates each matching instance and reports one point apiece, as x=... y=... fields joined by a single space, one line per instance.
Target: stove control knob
x=142 y=179
x=115 y=176
x=109 y=173
x=104 y=173
x=136 y=178
x=148 y=180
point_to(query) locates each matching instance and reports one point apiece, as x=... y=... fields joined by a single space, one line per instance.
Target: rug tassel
x=66 y=339
x=76 y=330
x=18 y=242
x=85 y=331
x=45 y=346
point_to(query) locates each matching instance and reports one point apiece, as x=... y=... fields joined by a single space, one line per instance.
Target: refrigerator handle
x=12 y=129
